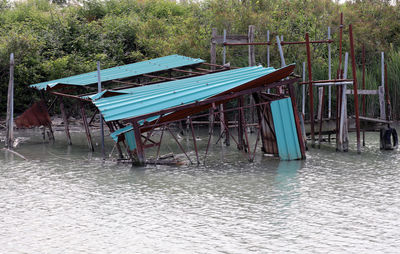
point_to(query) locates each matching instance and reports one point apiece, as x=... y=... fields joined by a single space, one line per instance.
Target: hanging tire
x=388 y=138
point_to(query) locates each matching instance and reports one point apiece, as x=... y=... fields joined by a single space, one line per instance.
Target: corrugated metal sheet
x=153 y=98
x=130 y=70
x=285 y=129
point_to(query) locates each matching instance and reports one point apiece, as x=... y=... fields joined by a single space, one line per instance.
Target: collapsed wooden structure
x=133 y=113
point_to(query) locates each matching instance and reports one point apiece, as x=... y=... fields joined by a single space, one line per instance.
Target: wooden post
x=10 y=107
x=252 y=54
x=101 y=117
x=310 y=89
x=303 y=87
x=338 y=88
x=388 y=106
x=139 y=146
x=85 y=124
x=65 y=119
x=240 y=124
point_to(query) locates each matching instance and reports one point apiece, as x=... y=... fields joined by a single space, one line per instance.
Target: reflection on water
x=64 y=199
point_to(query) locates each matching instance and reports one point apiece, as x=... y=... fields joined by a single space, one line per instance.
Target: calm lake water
x=65 y=200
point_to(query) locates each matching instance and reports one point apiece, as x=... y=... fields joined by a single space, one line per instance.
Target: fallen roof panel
x=153 y=98
x=124 y=71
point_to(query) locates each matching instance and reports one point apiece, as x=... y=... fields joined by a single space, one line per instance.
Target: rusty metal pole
x=363 y=87
x=353 y=63
x=310 y=89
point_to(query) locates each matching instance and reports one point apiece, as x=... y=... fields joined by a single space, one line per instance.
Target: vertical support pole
x=382 y=96
x=303 y=87
x=139 y=146
x=268 y=55
x=252 y=54
x=65 y=119
x=85 y=124
x=213 y=61
x=321 y=117
x=329 y=76
x=121 y=156
x=338 y=88
x=240 y=124
x=363 y=87
x=388 y=106
x=224 y=53
x=213 y=50
x=310 y=89
x=353 y=63
x=343 y=129
x=278 y=41
x=10 y=107
x=101 y=117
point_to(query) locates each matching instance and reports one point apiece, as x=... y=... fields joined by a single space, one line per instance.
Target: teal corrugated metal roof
x=152 y=98
x=285 y=129
x=130 y=70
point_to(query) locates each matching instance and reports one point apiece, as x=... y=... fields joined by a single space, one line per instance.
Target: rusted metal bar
x=325 y=81
x=179 y=144
x=85 y=124
x=69 y=96
x=111 y=127
x=353 y=62
x=247 y=44
x=65 y=119
x=305 y=42
x=310 y=89
x=194 y=141
x=191 y=72
x=159 y=143
x=93 y=116
x=139 y=145
x=159 y=77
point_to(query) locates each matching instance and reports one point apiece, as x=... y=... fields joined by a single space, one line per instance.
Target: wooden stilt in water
x=139 y=146
x=10 y=107
x=353 y=64
x=310 y=89
x=240 y=124
x=85 y=124
x=65 y=119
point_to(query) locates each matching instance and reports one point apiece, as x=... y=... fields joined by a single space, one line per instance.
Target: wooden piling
x=363 y=88
x=353 y=63
x=139 y=146
x=85 y=124
x=310 y=90
x=10 y=107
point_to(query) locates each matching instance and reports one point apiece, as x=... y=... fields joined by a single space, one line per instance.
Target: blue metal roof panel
x=285 y=129
x=130 y=70
x=152 y=98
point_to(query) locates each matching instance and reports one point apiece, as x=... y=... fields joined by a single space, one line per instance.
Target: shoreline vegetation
x=60 y=39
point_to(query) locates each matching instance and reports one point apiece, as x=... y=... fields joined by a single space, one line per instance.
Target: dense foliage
x=53 y=40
